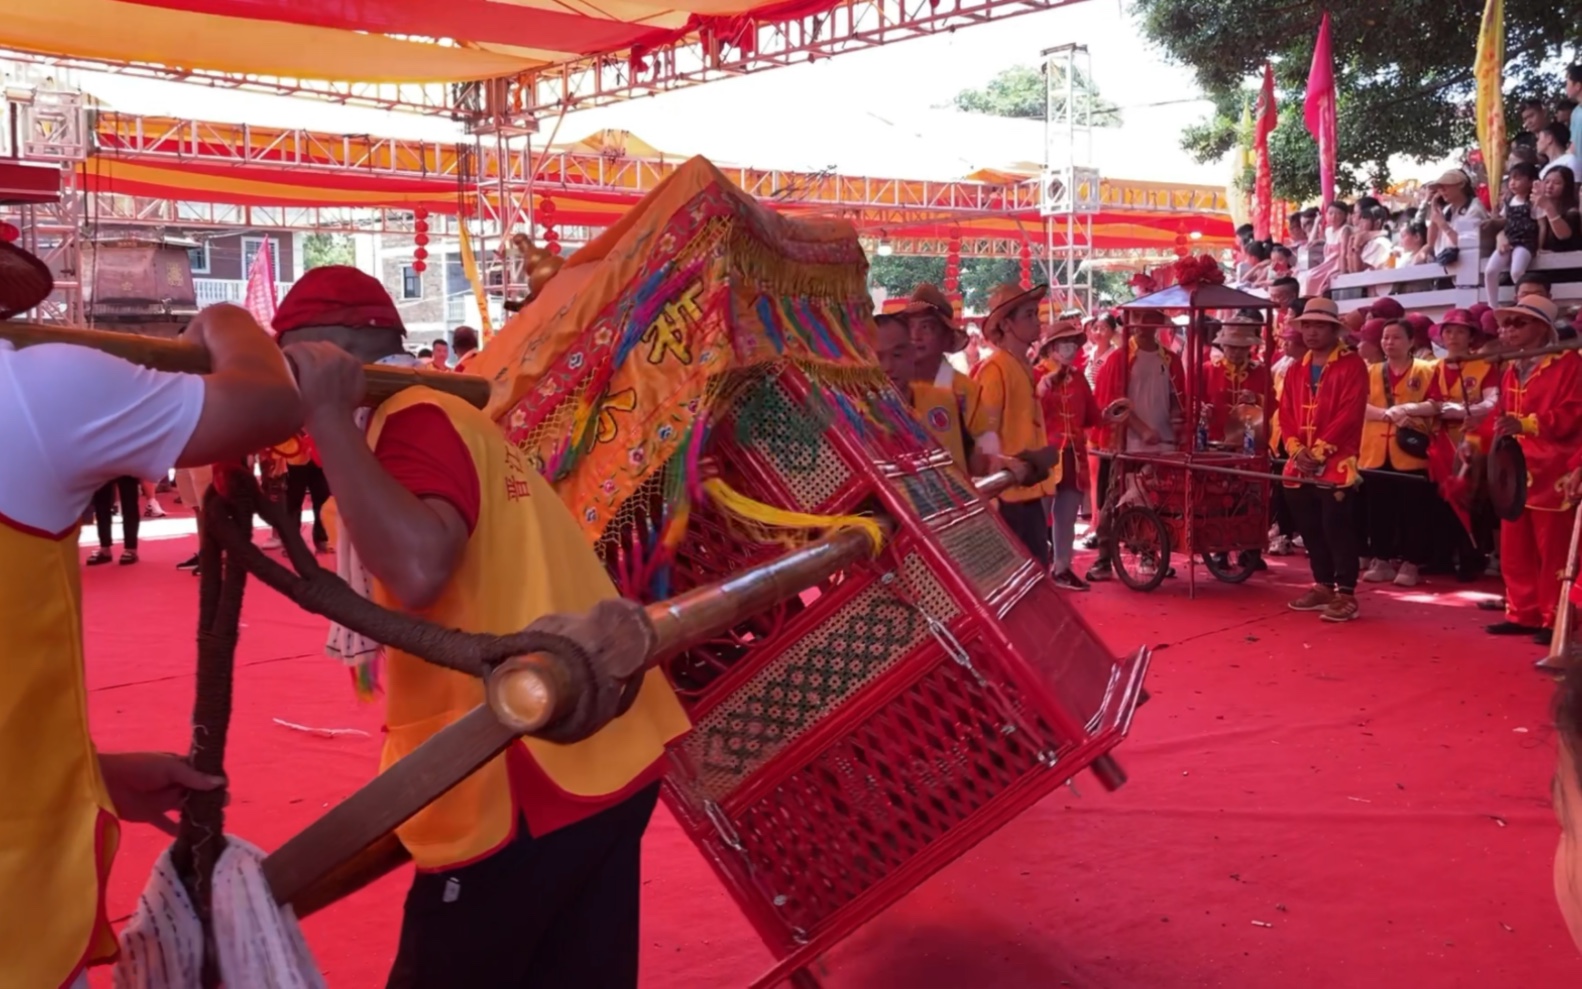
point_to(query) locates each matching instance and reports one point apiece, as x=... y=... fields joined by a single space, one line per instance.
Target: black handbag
x=1413 y=442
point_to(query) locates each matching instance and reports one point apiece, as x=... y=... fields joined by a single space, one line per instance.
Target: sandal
x=97 y=558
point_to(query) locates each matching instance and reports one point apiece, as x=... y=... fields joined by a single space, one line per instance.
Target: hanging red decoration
x=419 y=266
x=9 y=233
x=953 y=264
x=420 y=213
x=1027 y=265
x=421 y=239
x=546 y=218
x=421 y=226
x=421 y=254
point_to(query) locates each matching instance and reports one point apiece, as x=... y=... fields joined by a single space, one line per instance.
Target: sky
x=873 y=112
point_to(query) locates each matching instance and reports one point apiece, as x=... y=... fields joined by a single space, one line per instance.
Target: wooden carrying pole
x=160 y=354
x=353 y=844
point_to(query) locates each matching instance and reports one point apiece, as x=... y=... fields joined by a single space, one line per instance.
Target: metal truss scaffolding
x=722 y=47
x=52 y=128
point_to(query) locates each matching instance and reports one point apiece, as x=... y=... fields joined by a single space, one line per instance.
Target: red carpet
x=1377 y=794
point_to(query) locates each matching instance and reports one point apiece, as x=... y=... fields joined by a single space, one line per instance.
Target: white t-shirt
x=1568 y=160
x=72 y=418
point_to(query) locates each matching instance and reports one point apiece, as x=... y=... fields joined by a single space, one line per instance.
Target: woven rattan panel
x=810 y=680
x=789 y=438
x=910 y=773
x=985 y=555
x=930 y=493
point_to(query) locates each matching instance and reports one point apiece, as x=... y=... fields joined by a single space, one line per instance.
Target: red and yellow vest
x=527 y=557
x=1378 y=436
x=940 y=413
x=58 y=831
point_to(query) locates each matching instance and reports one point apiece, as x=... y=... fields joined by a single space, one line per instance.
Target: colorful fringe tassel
x=734 y=503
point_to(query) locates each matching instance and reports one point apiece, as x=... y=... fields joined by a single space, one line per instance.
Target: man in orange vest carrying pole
x=528 y=873
x=70 y=419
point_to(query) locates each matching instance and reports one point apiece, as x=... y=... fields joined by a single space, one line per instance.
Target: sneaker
x=1317 y=598
x=190 y=563
x=1343 y=608
x=1512 y=628
x=1100 y=571
x=1280 y=546
x=128 y=557
x=1296 y=542
x=1068 y=581
x=1406 y=576
x=153 y=510
x=1091 y=542
x=1491 y=604
x=1493 y=569
x=1379 y=573
x=97 y=558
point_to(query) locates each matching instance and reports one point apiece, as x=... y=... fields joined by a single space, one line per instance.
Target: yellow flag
x=1489 y=71
x=469 y=266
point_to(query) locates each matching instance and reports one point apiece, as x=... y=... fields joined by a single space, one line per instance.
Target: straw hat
x=1006 y=297
x=1234 y=333
x=25 y=281
x=929 y=300
x=1533 y=307
x=1319 y=310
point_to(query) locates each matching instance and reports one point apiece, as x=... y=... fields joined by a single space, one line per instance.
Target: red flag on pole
x=260 y=299
x=1263 y=190
x=1319 y=111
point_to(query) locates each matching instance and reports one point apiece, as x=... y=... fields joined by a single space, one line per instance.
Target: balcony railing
x=215 y=290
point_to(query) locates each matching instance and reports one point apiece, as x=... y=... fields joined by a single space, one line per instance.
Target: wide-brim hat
x=1006 y=297
x=1319 y=310
x=1063 y=330
x=1232 y=334
x=928 y=300
x=1533 y=307
x=25 y=281
x=1460 y=317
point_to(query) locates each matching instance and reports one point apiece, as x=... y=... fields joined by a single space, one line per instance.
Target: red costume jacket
x=1326 y=419
x=1069 y=412
x=1549 y=405
x=1223 y=381
x=1110 y=384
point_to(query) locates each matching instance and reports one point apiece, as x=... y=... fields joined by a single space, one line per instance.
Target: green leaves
x=1403 y=70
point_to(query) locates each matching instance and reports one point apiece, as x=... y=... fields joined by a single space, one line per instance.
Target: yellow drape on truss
x=1489 y=71
x=469 y=265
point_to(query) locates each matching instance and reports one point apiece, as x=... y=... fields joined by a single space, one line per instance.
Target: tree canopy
x=1019 y=91
x=319 y=250
x=1403 y=73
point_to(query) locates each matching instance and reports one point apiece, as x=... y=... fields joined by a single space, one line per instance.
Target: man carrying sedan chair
x=528 y=873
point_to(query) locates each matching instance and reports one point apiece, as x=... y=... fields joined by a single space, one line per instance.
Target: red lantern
x=420 y=213
x=553 y=247
x=9 y=233
x=421 y=253
x=421 y=226
x=546 y=209
x=421 y=240
x=419 y=266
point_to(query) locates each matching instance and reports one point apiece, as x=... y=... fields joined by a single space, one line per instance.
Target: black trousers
x=1401 y=515
x=1030 y=521
x=308 y=479
x=557 y=912
x=1279 y=507
x=1326 y=519
x=103 y=511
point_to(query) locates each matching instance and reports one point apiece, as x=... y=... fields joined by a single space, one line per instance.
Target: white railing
x=1433 y=288
x=215 y=290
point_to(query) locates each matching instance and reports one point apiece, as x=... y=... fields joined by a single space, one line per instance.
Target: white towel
x=259 y=943
x=343 y=644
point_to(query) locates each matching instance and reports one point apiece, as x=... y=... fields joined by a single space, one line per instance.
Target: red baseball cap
x=337 y=295
x=1386 y=308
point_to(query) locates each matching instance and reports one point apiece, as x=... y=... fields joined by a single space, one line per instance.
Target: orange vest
x=940 y=413
x=58 y=831
x=1379 y=435
x=527 y=557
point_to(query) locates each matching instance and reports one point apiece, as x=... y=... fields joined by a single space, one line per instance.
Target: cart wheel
x=1234 y=570
x=1140 y=547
